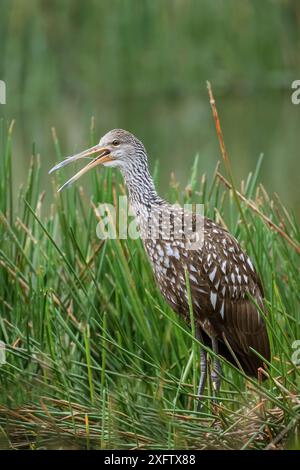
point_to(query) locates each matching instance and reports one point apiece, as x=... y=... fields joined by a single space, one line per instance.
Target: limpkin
x=224 y=287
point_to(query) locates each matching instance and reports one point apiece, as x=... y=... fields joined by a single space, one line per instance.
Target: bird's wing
x=233 y=294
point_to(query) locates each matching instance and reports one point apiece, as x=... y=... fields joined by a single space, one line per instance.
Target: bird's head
x=117 y=148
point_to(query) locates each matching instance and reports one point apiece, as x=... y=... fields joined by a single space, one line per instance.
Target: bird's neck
x=141 y=189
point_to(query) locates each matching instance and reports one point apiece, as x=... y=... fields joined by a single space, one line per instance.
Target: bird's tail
x=249 y=362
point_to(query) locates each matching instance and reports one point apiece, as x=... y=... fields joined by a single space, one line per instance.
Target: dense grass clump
x=94 y=356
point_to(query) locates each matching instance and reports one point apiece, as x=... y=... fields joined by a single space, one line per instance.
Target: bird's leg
x=203 y=373
x=216 y=369
x=203 y=369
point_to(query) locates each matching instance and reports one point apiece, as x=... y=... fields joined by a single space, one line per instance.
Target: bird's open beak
x=102 y=157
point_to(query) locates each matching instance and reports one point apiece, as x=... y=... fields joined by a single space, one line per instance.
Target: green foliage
x=96 y=359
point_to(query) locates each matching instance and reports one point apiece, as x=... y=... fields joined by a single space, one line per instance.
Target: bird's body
x=224 y=285
x=222 y=282
x=226 y=292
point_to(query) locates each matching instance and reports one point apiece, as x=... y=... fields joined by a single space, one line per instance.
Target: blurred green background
x=142 y=65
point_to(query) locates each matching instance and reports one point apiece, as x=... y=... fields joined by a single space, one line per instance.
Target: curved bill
x=99 y=159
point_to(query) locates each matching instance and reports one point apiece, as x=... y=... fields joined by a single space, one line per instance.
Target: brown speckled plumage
x=224 y=288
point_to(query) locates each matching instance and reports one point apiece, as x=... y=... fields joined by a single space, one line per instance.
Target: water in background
x=143 y=66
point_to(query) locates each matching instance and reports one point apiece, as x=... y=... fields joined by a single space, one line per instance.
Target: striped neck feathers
x=141 y=188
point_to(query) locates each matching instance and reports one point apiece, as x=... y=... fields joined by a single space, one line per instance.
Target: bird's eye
x=116 y=143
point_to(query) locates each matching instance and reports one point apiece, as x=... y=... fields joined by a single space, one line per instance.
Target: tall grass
x=94 y=356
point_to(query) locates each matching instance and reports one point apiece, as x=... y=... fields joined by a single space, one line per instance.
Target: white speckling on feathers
x=221 y=278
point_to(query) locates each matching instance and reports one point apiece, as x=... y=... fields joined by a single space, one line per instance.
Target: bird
x=198 y=265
